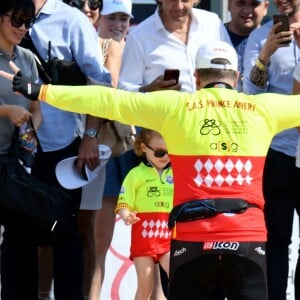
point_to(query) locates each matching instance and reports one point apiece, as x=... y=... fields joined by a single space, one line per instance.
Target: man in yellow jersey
x=217 y=141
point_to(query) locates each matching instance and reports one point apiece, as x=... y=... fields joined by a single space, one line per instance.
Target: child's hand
x=131 y=218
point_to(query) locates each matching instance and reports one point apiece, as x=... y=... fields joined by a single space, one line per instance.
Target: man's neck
x=179 y=29
x=6 y=47
x=230 y=26
x=218 y=84
x=182 y=25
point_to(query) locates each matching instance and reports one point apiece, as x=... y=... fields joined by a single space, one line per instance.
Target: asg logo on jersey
x=221 y=246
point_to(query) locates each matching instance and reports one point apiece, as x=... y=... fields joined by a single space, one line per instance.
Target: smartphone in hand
x=285 y=26
x=284 y=19
x=171 y=74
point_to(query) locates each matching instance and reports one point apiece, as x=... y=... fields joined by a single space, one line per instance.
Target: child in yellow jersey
x=145 y=201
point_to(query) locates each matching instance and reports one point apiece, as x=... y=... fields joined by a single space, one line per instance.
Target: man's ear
x=236 y=79
x=198 y=79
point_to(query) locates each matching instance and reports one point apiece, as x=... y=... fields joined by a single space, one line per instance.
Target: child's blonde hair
x=145 y=137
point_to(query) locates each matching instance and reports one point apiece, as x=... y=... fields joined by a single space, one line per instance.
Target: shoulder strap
x=40 y=62
x=105 y=48
x=39 y=146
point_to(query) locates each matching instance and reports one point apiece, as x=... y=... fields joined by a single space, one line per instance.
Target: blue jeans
x=281 y=186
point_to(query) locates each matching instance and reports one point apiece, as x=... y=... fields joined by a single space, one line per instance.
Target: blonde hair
x=145 y=136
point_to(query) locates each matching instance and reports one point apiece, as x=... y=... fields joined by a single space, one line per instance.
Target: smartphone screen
x=284 y=19
x=172 y=74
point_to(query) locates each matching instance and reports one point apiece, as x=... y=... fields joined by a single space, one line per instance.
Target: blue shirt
x=72 y=37
x=239 y=43
x=280 y=79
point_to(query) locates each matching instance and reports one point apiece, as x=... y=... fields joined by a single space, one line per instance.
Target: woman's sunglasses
x=17 y=21
x=92 y=4
x=159 y=153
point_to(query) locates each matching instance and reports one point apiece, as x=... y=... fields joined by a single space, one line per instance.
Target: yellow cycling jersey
x=145 y=191
x=150 y=194
x=217 y=141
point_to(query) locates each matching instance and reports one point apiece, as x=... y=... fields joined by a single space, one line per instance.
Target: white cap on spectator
x=117 y=6
x=68 y=175
x=217 y=55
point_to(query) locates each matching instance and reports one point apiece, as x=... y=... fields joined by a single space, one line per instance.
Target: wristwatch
x=91 y=133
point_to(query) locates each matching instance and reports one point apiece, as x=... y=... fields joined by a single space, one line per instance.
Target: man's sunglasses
x=17 y=21
x=157 y=153
x=92 y=4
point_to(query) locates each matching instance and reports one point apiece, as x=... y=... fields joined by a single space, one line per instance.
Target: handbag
x=55 y=71
x=27 y=201
x=63 y=72
x=119 y=137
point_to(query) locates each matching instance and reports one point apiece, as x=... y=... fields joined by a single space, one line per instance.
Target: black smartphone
x=172 y=74
x=284 y=19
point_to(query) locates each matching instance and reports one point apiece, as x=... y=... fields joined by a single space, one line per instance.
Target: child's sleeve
x=126 y=197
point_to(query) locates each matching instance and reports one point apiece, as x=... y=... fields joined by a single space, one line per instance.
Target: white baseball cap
x=116 y=6
x=68 y=175
x=209 y=53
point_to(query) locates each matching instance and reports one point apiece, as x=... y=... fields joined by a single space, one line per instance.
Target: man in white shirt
x=168 y=39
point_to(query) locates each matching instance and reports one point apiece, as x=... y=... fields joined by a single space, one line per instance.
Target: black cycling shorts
x=197 y=267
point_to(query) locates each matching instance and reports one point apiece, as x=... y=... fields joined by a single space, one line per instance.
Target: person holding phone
x=272 y=55
x=245 y=16
x=174 y=30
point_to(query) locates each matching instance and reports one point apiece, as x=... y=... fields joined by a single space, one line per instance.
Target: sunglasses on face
x=159 y=153
x=17 y=21
x=92 y=4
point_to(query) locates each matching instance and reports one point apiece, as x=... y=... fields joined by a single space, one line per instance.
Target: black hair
x=24 y=8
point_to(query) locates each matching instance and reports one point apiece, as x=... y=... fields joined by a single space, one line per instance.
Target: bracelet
x=260 y=65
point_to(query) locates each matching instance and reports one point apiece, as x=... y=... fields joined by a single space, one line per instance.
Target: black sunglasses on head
x=92 y=4
x=17 y=21
x=158 y=152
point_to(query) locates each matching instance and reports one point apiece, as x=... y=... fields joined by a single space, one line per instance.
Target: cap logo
x=220 y=50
